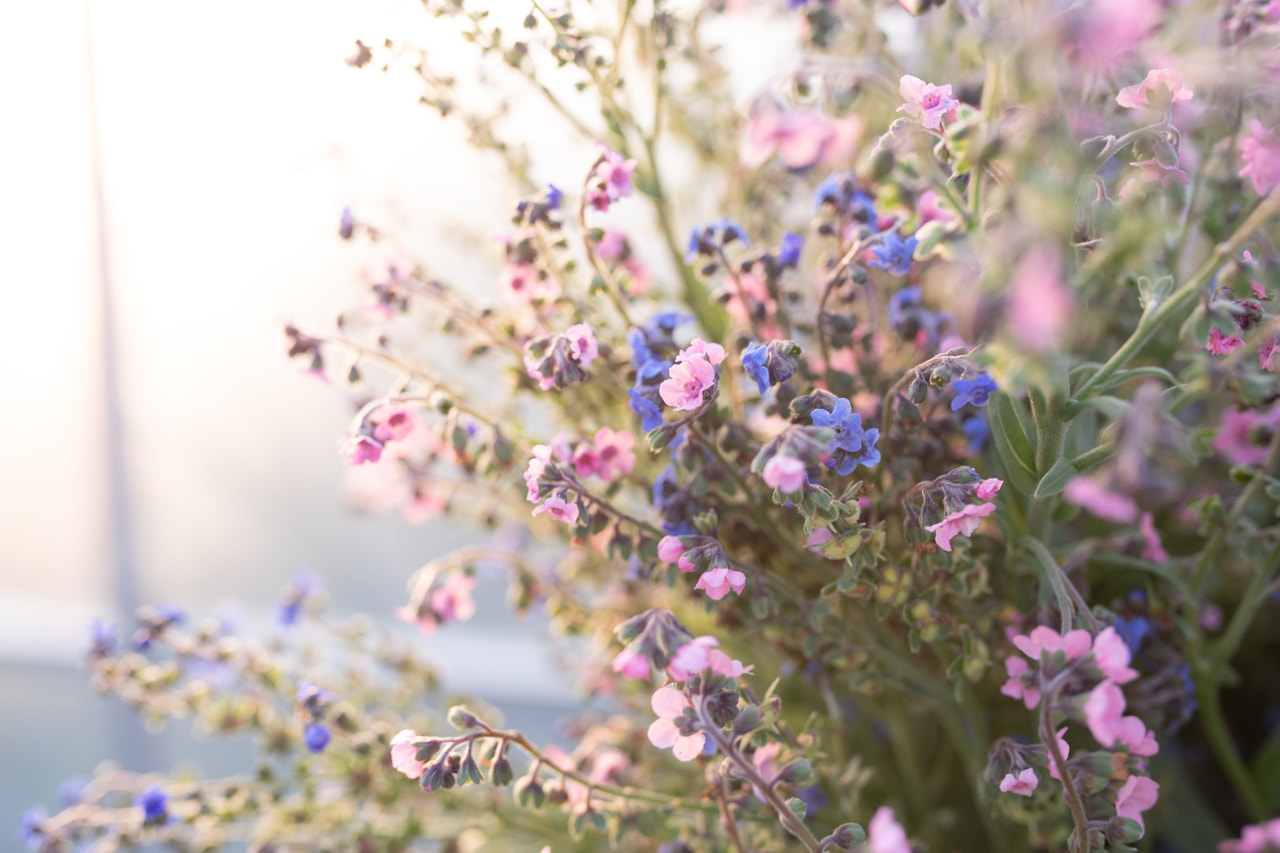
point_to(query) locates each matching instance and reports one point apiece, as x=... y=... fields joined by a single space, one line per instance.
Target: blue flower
x=894 y=254
x=840 y=190
x=554 y=196
x=755 y=359
x=650 y=414
x=29 y=832
x=975 y=391
x=304 y=584
x=154 y=803
x=1133 y=631
x=316 y=737
x=668 y=320
x=975 y=429
x=640 y=352
x=901 y=303
x=664 y=486
x=313 y=696
x=730 y=231
x=851 y=445
x=652 y=372
x=789 y=252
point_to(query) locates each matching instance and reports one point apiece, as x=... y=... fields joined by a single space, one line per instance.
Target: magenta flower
x=670 y=548
x=1152 y=547
x=720 y=581
x=1063 y=747
x=1156 y=91
x=614 y=450
x=614 y=173
x=631 y=664
x=557 y=451
x=987 y=489
x=686 y=383
x=1254 y=839
x=1267 y=354
x=394 y=423
x=1243 y=435
x=928 y=210
x=785 y=473
x=885 y=834
x=1040 y=306
x=670 y=704
x=1220 y=344
x=582 y=344
x=1136 y=796
x=1022 y=784
x=360 y=449
x=1074 y=645
x=404 y=754
x=925 y=101
x=701 y=654
x=1097 y=499
x=558 y=509
x=1112 y=655
x=586 y=461
x=962 y=522
x=1260 y=153
x=1016 y=687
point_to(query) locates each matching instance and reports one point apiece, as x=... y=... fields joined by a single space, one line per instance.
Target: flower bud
x=460 y=717
x=501 y=773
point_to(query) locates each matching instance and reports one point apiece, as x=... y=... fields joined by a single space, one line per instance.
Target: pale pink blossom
x=987 y=489
x=1040 y=305
x=785 y=473
x=1267 y=354
x=1152 y=171
x=1100 y=501
x=1103 y=711
x=631 y=664
x=1258 y=838
x=1152 y=547
x=1143 y=95
x=1134 y=734
x=1136 y=796
x=686 y=384
x=1064 y=748
x=925 y=101
x=614 y=448
x=1110 y=32
x=765 y=761
x=698 y=348
x=559 y=509
x=1260 y=154
x=582 y=344
x=719 y=582
x=611 y=245
x=885 y=834
x=360 y=449
x=1112 y=656
x=1243 y=436
x=1075 y=645
x=1220 y=344
x=614 y=172
x=962 y=522
x=1016 y=687
x=700 y=654
x=520 y=284
x=669 y=704
x=1023 y=784
x=670 y=548
x=404 y=754
x=928 y=210
x=395 y=423
x=800 y=138
x=586 y=461
x=423 y=505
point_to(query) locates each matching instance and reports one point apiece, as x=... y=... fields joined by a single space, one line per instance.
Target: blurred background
x=172 y=180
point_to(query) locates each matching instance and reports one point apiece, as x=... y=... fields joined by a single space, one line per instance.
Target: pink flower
x=1267 y=354
x=1112 y=656
x=558 y=509
x=1136 y=736
x=670 y=548
x=718 y=582
x=700 y=654
x=1040 y=306
x=1111 y=31
x=404 y=754
x=631 y=664
x=582 y=344
x=1243 y=436
x=925 y=101
x=423 y=505
x=928 y=210
x=800 y=137
x=669 y=704
x=1074 y=645
x=1097 y=499
x=1153 y=171
x=885 y=834
x=764 y=759
x=1260 y=153
x=1015 y=687
x=962 y=522
x=1154 y=91
x=1136 y=796
x=611 y=245
x=614 y=449
x=1220 y=344
x=1102 y=712
x=615 y=173
x=394 y=423
x=1063 y=747
x=785 y=473
x=586 y=461
x=520 y=284
x=1152 y=547
x=987 y=489
x=360 y=449
x=688 y=380
x=1024 y=783
x=698 y=348
x=542 y=454
x=1260 y=838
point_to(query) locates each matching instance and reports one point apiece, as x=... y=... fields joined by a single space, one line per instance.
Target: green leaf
x=1056 y=478
x=1113 y=407
x=1011 y=442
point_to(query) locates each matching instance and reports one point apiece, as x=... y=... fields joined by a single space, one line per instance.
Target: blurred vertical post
x=129 y=741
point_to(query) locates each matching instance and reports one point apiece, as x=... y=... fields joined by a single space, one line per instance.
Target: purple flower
x=102 y=636
x=975 y=391
x=313 y=697
x=789 y=252
x=316 y=736
x=841 y=192
x=975 y=430
x=554 y=197
x=154 y=803
x=29 y=831
x=755 y=359
x=894 y=254
x=710 y=239
x=650 y=413
x=346 y=224
x=851 y=445
x=1133 y=631
x=304 y=583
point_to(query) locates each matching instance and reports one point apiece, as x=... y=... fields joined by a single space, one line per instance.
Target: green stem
x=1224 y=749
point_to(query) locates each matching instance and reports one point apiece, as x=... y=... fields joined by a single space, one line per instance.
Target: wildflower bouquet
x=923 y=499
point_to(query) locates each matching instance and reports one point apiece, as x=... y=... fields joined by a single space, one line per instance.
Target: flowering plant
x=927 y=501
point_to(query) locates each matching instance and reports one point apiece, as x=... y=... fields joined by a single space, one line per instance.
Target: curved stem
x=1050 y=739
